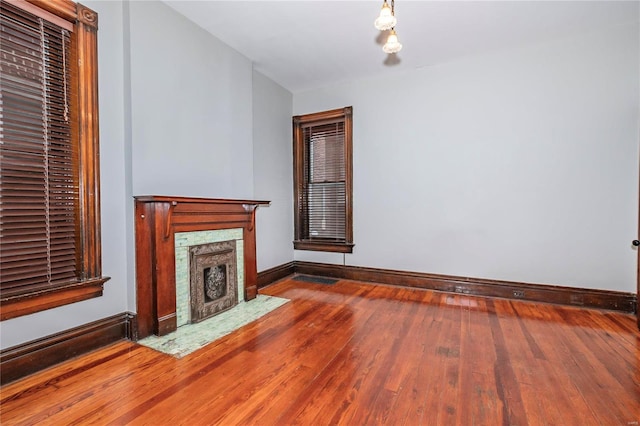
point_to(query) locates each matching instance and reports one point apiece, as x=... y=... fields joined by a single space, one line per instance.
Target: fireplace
x=166 y=228
x=213 y=282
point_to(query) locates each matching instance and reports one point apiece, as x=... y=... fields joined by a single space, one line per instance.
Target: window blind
x=39 y=191
x=324 y=192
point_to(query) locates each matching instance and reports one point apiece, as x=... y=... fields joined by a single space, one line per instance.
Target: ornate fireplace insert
x=213 y=279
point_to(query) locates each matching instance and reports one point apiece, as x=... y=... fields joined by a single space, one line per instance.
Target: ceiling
x=304 y=44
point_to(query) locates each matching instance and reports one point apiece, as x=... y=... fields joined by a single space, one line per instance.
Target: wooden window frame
x=302 y=241
x=84 y=134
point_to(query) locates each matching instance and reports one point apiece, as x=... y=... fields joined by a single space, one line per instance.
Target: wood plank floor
x=360 y=354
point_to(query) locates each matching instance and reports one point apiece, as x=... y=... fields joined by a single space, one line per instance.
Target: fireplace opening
x=213 y=279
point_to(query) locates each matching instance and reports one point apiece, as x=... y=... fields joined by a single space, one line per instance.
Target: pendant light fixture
x=387 y=21
x=392 y=45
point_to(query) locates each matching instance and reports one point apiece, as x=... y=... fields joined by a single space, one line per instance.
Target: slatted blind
x=324 y=192
x=38 y=161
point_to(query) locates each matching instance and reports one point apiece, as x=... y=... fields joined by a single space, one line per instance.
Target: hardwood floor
x=355 y=354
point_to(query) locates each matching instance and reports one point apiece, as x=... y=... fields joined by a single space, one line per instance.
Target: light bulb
x=392 y=45
x=386 y=20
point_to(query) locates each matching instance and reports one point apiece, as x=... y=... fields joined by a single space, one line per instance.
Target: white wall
x=128 y=154
x=519 y=165
x=191 y=108
x=113 y=194
x=272 y=171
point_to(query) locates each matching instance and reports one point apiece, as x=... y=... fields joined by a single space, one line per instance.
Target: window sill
x=16 y=305
x=332 y=246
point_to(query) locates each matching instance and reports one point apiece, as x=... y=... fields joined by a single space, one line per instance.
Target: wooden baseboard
x=571 y=296
x=19 y=361
x=583 y=297
x=269 y=276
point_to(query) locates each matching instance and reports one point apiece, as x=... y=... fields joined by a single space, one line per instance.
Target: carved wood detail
x=87 y=16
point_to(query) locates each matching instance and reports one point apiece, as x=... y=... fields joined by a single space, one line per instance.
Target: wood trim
x=348 y=159
x=21 y=360
x=331 y=116
x=145 y=271
x=24 y=304
x=323 y=246
x=250 y=260
x=298 y=170
x=571 y=296
x=270 y=276
x=87 y=16
x=65 y=9
x=583 y=297
x=230 y=203
x=167 y=324
x=86 y=42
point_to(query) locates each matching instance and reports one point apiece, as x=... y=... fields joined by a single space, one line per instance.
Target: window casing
x=322 y=157
x=49 y=168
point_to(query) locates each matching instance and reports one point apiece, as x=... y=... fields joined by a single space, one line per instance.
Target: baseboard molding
x=269 y=276
x=581 y=297
x=19 y=361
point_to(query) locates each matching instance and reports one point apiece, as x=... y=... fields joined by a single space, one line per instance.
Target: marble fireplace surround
x=157 y=220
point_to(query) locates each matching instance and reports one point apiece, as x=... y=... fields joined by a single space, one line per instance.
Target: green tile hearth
x=191 y=337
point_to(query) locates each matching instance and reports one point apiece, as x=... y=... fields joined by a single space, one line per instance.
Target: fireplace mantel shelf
x=196 y=200
x=157 y=219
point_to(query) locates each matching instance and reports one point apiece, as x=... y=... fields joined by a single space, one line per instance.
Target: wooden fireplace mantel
x=157 y=220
